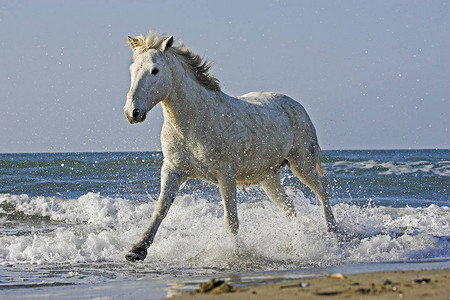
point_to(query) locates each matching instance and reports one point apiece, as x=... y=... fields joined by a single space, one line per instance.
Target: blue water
x=69 y=218
x=385 y=177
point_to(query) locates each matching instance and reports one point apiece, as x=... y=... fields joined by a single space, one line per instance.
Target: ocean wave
x=441 y=168
x=94 y=228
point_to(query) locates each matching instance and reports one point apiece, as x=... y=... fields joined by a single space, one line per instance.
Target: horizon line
x=159 y=150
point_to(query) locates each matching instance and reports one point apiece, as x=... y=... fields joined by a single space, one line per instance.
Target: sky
x=371 y=74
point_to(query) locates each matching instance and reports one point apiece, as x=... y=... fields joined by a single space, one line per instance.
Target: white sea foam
x=94 y=228
x=441 y=168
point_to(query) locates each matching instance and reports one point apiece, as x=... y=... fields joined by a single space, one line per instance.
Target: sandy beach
x=418 y=284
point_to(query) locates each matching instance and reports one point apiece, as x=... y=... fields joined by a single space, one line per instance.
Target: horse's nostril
x=136 y=112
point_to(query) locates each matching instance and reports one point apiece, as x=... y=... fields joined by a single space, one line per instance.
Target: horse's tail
x=318 y=165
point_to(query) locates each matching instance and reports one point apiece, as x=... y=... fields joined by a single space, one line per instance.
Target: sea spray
x=101 y=229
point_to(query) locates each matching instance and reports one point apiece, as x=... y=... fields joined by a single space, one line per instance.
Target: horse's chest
x=195 y=157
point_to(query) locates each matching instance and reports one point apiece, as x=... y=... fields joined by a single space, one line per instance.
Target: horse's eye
x=155 y=71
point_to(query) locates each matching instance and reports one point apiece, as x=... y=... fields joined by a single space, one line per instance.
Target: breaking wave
x=94 y=228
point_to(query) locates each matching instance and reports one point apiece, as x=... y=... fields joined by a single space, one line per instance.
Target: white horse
x=210 y=135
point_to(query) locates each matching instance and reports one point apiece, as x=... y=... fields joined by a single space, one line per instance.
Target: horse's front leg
x=171 y=179
x=227 y=186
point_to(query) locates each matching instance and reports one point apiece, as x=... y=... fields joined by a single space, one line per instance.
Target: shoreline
x=412 y=280
x=410 y=284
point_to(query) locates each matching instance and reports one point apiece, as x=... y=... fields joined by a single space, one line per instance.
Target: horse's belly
x=262 y=157
x=255 y=176
x=251 y=170
x=249 y=167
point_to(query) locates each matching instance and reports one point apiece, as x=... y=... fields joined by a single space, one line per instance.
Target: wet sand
x=419 y=284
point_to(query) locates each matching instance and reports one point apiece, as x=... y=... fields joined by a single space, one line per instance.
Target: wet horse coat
x=210 y=135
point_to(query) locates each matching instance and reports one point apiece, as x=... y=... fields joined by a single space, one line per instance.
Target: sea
x=68 y=219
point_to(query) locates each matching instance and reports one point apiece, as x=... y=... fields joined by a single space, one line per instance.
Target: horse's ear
x=133 y=42
x=167 y=44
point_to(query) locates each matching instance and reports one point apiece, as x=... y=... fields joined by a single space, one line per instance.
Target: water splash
x=101 y=229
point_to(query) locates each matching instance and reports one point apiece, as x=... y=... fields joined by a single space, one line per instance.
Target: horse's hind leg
x=304 y=167
x=272 y=186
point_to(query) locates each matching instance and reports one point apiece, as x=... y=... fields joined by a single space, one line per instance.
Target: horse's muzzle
x=137 y=116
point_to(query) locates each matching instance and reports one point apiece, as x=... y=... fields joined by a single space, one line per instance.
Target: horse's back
x=263 y=98
x=274 y=112
x=282 y=105
x=276 y=104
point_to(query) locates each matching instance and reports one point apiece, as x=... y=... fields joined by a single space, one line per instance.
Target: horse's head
x=151 y=79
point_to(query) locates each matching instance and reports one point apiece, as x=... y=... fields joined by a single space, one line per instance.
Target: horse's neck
x=189 y=102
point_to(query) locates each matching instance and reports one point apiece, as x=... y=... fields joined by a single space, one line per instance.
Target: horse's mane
x=192 y=62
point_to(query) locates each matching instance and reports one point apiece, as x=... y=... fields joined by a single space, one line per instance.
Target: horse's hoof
x=137 y=253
